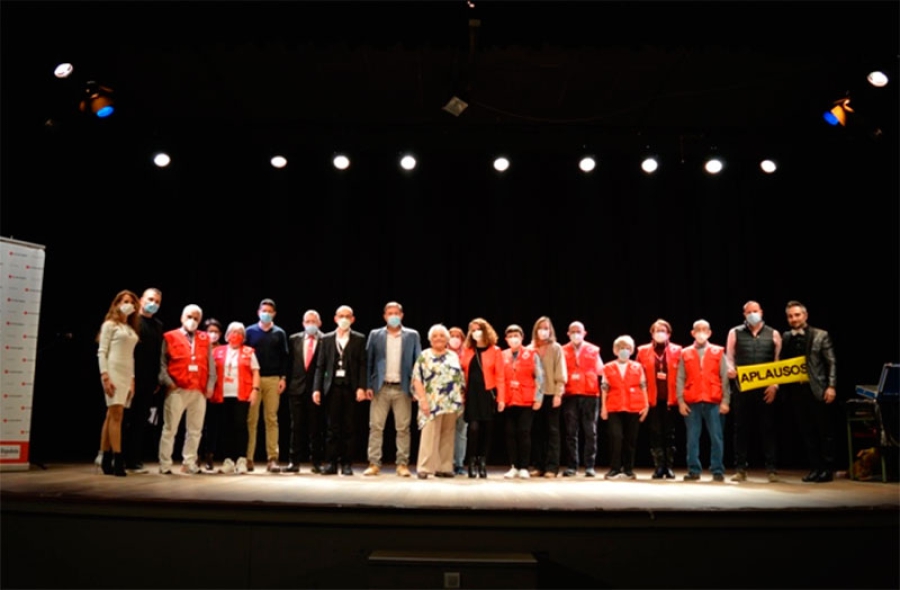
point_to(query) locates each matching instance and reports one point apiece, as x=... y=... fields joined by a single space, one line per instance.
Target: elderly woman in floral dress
x=438 y=388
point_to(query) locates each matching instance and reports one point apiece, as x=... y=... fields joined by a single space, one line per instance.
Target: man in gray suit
x=812 y=401
x=391 y=352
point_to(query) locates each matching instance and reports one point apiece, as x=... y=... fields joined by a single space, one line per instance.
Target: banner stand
x=21 y=281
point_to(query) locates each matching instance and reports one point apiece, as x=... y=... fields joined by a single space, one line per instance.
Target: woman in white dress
x=117 y=339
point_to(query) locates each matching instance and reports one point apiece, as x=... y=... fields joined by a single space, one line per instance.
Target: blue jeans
x=704 y=413
x=459 y=443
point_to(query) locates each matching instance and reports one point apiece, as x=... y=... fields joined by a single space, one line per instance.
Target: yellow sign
x=765 y=374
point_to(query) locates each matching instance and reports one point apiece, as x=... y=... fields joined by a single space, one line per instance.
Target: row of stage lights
x=408 y=163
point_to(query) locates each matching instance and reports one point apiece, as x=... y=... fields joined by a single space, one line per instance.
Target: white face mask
x=544 y=334
x=126 y=309
x=624 y=354
x=660 y=337
x=701 y=338
x=576 y=338
x=343 y=323
x=514 y=341
x=477 y=334
x=754 y=317
x=213 y=337
x=455 y=342
x=190 y=324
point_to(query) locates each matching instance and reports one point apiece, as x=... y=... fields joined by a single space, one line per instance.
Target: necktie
x=310 y=341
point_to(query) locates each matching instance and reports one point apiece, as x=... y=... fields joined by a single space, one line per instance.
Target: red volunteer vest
x=647 y=357
x=520 y=384
x=582 y=369
x=244 y=373
x=181 y=358
x=702 y=381
x=625 y=394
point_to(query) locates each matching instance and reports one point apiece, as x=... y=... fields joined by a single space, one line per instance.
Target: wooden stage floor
x=313 y=531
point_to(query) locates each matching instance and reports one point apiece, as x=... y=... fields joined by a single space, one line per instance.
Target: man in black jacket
x=812 y=401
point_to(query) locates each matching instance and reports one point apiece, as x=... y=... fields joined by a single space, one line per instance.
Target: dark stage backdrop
x=451 y=241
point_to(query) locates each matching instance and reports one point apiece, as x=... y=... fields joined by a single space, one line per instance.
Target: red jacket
x=583 y=369
x=647 y=357
x=244 y=373
x=519 y=376
x=181 y=358
x=625 y=394
x=702 y=382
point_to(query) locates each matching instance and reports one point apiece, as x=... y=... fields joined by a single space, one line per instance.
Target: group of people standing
x=545 y=393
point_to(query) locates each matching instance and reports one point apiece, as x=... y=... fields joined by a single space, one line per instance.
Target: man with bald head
x=581 y=401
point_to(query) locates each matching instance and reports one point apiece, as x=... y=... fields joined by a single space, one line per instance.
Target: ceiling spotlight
x=63 y=70
x=838 y=113
x=768 y=166
x=161 y=159
x=455 y=106
x=877 y=79
x=341 y=162
x=501 y=164
x=713 y=166
x=98 y=100
x=649 y=165
x=278 y=161
x=587 y=164
x=408 y=162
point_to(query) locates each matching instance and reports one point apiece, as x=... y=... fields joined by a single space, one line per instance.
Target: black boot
x=482 y=467
x=107 y=464
x=670 y=462
x=659 y=463
x=472 y=473
x=118 y=465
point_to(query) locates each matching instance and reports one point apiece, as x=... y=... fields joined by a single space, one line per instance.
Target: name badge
x=661 y=375
x=229 y=379
x=576 y=376
x=193 y=368
x=513 y=383
x=340 y=373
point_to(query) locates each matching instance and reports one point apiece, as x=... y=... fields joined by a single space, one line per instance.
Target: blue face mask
x=393 y=321
x=624 y=354
x=265 y=317
x=754 y=318
x=311 y=329
x=151 y=307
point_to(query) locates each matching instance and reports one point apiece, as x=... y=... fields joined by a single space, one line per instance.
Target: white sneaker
x=241 y=466
x=513 y=472
x=213 y=470
x=227 y=466
x=99 y=460
x=523 y=474
x=190 y=468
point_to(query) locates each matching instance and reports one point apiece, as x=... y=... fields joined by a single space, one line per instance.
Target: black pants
x=518 y=435
x=340 y=406
x=661 y=420
x=234 y=428
x=623 y=434
x=135 y=424
x=307 y=430
x=814 y=417
x=478 y=443
x=751 y=412
x=545 y=437
x=213 y=430
x=580 y=415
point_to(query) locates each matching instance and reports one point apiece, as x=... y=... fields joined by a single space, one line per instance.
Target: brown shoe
x=535 y=473
x=273 y=467
x=550 y=474
x=372 y=469
x=403 y=471
x=249 y=465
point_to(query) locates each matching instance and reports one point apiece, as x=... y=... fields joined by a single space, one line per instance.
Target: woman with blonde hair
x=115 y=352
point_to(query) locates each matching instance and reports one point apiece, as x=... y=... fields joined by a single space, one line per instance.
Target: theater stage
x=65 y=526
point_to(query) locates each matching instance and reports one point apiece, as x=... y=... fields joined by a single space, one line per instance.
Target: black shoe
x=659 y=473
x=106 y=465
x=569 y=473
x=292 y=468
x=316 y=468
x=346 y=470
x=693 y=477
x=482 y=467
x=669 y=473
x=119 y=465
x=330 y=469
x=812 y=476
x=611 y=474
x=825 y=476
x=589 y=472
x=720 y=477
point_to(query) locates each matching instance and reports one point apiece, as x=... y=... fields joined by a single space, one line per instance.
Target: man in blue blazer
x=391 y=352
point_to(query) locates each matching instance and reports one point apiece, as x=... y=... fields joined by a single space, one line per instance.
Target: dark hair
x=268 y=301
x=213 y=322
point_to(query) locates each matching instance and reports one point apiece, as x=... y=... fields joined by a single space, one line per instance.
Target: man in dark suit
x=391 y=351
x=307 y=418
x=812 y=401
x=340 y=380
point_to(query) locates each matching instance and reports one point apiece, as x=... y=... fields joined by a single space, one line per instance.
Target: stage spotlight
x=877 y=79
x=98 y=100
x=501 y=164
x=341 y=162
x=455 y=106
x=63 y=70
x=408 y=162
x=768 y=166
x=713 y=166
x=161 y=159
x=838 y=113
x=587 y=164
x=649 y=165
x=278 y=161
